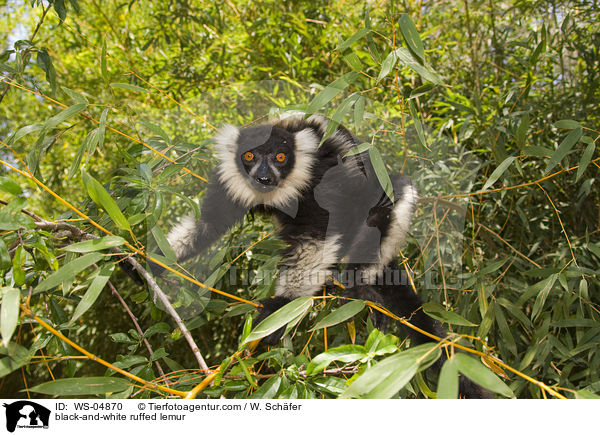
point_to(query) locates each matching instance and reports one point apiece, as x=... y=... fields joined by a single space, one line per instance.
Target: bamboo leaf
x=65 y=114
x=388 y=376
x=545 y=285
x=128 y=87
x=381 y=172
x=81 y=386
x=68 y=271
x=448 y=381
x=585 y=160
x=502 y=167
x=343 y=313
x=96 y=244
x=387 y=66
x=331 y=91
x=521 y=134
x=411 y=36
x=286 y=314
x=346 y=353
x=102 y=127
x=564 y=148
x=417 y=123
x=438 y=312
x=351 y=40
x=481 y=375
x=405 y=57
x=93 y=291
x=101 y=197
x=359 y=111
x=358 y=149
x=9 y=313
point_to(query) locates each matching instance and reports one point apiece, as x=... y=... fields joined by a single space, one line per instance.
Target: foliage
x=106 y=115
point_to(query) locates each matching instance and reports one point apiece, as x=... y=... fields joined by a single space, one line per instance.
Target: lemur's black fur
x=330 y=207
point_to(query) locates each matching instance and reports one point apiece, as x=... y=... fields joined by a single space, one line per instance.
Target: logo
x=26 y=414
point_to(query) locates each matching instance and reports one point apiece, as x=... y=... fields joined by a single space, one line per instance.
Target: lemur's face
x=267 y=156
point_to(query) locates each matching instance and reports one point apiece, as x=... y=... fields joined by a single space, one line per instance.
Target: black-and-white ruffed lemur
x=331 y=209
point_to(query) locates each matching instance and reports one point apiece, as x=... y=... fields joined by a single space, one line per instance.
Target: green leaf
x=268 y=390
x=65 y=114
x=338 y=116
x=128 y=87
x=45 y=62
x=387 y=65
x=417 y=123
x=68 y=271
x=156 y=130
x=502 y=167
x=23 y=131
x=9 y=313
x=567 y=124
x=584 y=394
x=17 y=357
x=102 y=127
x=351 y=40
x=81 y=386
x=521 y=134
x=103 y=67
x=93 y=291
x=164 y=245
x=96 y=244
x=481 y=375
x=346 y=353
x=405 y=57
x=536 y=151
x=545 y=285
x=381 y=172
x=564 y=148
x=448 y=381
x=411 y=36
x=9 y=186
x=61 y=10
x=387 y=377
x=541 y=47
x=358 y=149
x=344 y=312
x=5 y=260
x=585 y=160
x=438 y=312
x=17 y=264
x=101 y=197
x=359 y=111
x=331 y=91
x=288 y=313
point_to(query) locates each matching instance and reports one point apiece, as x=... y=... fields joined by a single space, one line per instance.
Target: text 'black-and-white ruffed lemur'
x=331 y=210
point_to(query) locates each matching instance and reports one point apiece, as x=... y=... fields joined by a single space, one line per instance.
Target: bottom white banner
x=75 y=416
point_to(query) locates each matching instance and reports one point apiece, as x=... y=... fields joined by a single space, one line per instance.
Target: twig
x=77 y=233
x=115 y=292
x=169 y=308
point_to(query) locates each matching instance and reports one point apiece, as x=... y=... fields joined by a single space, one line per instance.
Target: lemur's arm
x=190 y=237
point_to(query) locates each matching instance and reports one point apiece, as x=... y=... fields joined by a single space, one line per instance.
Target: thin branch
x=77 y=233
x=115 y=292
x=169 y=308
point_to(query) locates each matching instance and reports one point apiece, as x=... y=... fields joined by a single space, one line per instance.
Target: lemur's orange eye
x=248 y=156
x=280 y=157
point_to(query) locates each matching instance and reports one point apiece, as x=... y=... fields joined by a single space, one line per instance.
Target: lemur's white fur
x=310 y=263
x=399 y=225
x=181 y=237
x=238 y=185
